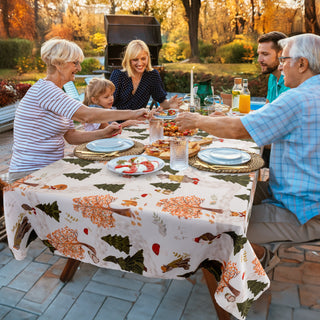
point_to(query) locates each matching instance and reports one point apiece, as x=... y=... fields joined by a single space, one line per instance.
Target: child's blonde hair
x=95 y=88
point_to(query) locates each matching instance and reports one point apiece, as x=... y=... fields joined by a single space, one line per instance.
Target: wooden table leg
x=69 y=269
x=212 y=286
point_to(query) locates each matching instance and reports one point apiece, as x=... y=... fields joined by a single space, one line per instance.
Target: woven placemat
x=254 y=164
x=82 y=152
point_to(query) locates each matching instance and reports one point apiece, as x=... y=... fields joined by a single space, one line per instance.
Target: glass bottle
x=237 y=87
x=244 y=101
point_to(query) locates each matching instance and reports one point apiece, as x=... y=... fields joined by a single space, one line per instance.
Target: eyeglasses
x=283 y=59
x=76 y=63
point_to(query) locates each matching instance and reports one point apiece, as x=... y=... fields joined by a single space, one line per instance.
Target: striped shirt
x=42 y=118
x=150 y=85
x=292 y=124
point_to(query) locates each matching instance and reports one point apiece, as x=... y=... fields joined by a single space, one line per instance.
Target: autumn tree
x=192 y=8
x=312 y=20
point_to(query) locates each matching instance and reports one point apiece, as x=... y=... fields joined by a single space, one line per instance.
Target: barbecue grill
x=121 y=29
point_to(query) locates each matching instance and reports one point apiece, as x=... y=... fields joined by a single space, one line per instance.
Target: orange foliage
x=60 y=30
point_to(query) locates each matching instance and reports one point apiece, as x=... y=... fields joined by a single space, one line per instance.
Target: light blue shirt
x=292 y=124
x=275 y=87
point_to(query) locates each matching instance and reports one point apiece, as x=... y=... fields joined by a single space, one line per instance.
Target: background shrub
x=88 y=65
x=11 y=91
x=13 y=49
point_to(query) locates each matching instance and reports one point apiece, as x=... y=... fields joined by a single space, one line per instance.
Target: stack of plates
x=110 y=145
x=224 y=156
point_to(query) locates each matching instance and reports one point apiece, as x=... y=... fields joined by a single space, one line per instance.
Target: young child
x=99 y=94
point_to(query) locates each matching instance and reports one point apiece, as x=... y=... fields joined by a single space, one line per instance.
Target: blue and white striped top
x=292 y=124
x=42 y=118
x=150 y=86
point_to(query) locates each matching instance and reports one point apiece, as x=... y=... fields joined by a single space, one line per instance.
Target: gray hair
x=307 y=46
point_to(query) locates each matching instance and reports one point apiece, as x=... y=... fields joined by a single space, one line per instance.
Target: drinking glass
x=196 y=105
x=179 y=153
x=155 y=130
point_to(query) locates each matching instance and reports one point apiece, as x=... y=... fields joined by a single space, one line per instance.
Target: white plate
x=224 y=156
x=112 y=163
x=166 y=117
x=110 y=145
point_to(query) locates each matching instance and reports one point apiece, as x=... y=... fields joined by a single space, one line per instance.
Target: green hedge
x=180 y=82
x=12 y=49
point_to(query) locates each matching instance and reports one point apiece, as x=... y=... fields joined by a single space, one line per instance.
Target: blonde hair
x=95 y=88
x=134 y=48
x=58 y=51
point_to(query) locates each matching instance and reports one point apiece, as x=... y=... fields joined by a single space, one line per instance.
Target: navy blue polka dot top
x=150 y=86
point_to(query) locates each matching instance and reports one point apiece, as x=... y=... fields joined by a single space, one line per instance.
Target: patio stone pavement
x=31 y=289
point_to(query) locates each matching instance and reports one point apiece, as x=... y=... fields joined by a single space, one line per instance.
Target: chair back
x=71 y=90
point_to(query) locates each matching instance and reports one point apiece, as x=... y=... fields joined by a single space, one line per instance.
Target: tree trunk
x=252 y=16
x=5 y=16
x=311 y=23
x=192 y=8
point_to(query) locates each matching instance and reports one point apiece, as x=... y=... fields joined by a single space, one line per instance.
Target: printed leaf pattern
x=80 y=162
x=91 y=170
x=256 y=286
x=140 y=137
x=185 y=207
x=167 y=168
x=65 y=240
x=110 y=187
x=230 y=271
x=243 y=180
x=97 y=209
x=212 y=266
x=244 y=307
x=49 y=245
x=79 y=176
x=257 y=267
x=133 y=264
x=243 y=196
x=167 y=186
x=51 y=209
x=32 y=236
x=120 y=243
x=181 y=262
x=238 y=241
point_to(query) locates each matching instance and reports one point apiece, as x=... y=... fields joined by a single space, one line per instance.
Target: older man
x=290 y=210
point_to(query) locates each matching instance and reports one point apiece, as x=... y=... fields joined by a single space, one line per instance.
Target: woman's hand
x=140 y=114
x=175 y=102
x=112 y=130
x=129 y=123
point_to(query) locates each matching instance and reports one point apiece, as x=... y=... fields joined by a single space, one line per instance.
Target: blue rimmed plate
x=110 y=145
x=224 y=156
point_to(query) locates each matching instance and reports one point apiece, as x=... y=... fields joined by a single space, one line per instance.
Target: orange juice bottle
x=244 y=100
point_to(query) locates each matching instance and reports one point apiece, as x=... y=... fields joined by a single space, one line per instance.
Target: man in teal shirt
x=268 y=53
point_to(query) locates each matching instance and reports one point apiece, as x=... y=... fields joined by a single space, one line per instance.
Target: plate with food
x=110 y=145
x=170 y=129
x=167 y=114
x=224 y=156
x=161 y=149
x=135 y=165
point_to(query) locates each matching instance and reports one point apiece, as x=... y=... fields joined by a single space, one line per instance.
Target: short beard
x=270 y=70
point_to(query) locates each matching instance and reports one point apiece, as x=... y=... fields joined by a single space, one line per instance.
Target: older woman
x=137 y=81
x=44 y=117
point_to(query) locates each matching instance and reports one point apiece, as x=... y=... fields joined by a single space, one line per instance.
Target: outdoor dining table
x=166 y=224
